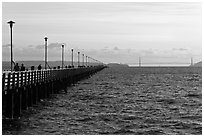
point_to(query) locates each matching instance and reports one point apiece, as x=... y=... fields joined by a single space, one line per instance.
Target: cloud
x=115 y=48
x=50 y=46
x=179 y=49
x=55 y=45
x=6 y=45
x=147 y=52
x=39 y=46
x=30 y=46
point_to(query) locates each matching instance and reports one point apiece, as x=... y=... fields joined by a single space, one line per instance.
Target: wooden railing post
x=51 y=82
x=37 y=86
x=17 y=94
x=24 y=91
x=3 y=93
x=29 y=89
x=34 y=85
x=10 y=98
x=47 y=83
x=44 y=83
x=40 y=95
x=55 y=81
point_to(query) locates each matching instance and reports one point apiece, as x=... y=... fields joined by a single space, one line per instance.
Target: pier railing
x=22 y=89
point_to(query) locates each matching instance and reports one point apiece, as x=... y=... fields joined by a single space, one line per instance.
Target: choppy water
x=121 y=101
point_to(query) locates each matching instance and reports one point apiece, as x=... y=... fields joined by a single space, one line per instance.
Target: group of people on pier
x=17 y=68
x=22 y=68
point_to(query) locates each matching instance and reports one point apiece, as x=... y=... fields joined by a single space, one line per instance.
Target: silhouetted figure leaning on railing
x=39 y=67
x=22 y=67
x=16 y=67
x=32 y=67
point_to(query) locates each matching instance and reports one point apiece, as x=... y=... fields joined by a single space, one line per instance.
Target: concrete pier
x=22 y=89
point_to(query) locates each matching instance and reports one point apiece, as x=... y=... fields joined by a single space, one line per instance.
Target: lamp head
x=45 y=38
x=11 y=23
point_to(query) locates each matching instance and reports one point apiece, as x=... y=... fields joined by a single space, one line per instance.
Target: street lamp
x=83 y=59
x=62 y=56
x=191 y=61
x=86 y=61
x=45 y=52
x=139 y=61
x=11 y=25
x=72 y=59
x=78 y=59
x=89 y=61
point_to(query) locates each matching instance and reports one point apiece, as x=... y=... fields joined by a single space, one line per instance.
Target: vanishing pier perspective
x=101 y=68
x=23 y=89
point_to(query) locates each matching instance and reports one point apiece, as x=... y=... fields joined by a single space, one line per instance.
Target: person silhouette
x=32 y=67
x=39 y=67
x=22 y=67
x=16 y=67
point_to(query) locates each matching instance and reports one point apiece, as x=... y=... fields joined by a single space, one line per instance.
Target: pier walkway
x=22 y=89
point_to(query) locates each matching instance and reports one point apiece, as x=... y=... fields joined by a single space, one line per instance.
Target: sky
x=159 y=33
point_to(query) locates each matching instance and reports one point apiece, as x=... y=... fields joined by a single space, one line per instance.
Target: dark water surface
x=120 y=101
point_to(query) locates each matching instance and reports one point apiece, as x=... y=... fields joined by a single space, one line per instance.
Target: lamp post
x=62 y=56
x=78 y=59
x=45 y=52
x=83 y=59
x=86 y=61
x=191 y=61
x=139 y=61
x=11 y=25
x=89 y=61
x=72 y=59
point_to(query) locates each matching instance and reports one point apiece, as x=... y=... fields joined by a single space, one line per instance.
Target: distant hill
x=117 y=65
x=199 y=64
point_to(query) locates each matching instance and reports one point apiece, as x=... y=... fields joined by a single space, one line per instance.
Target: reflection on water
x=122 y=101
